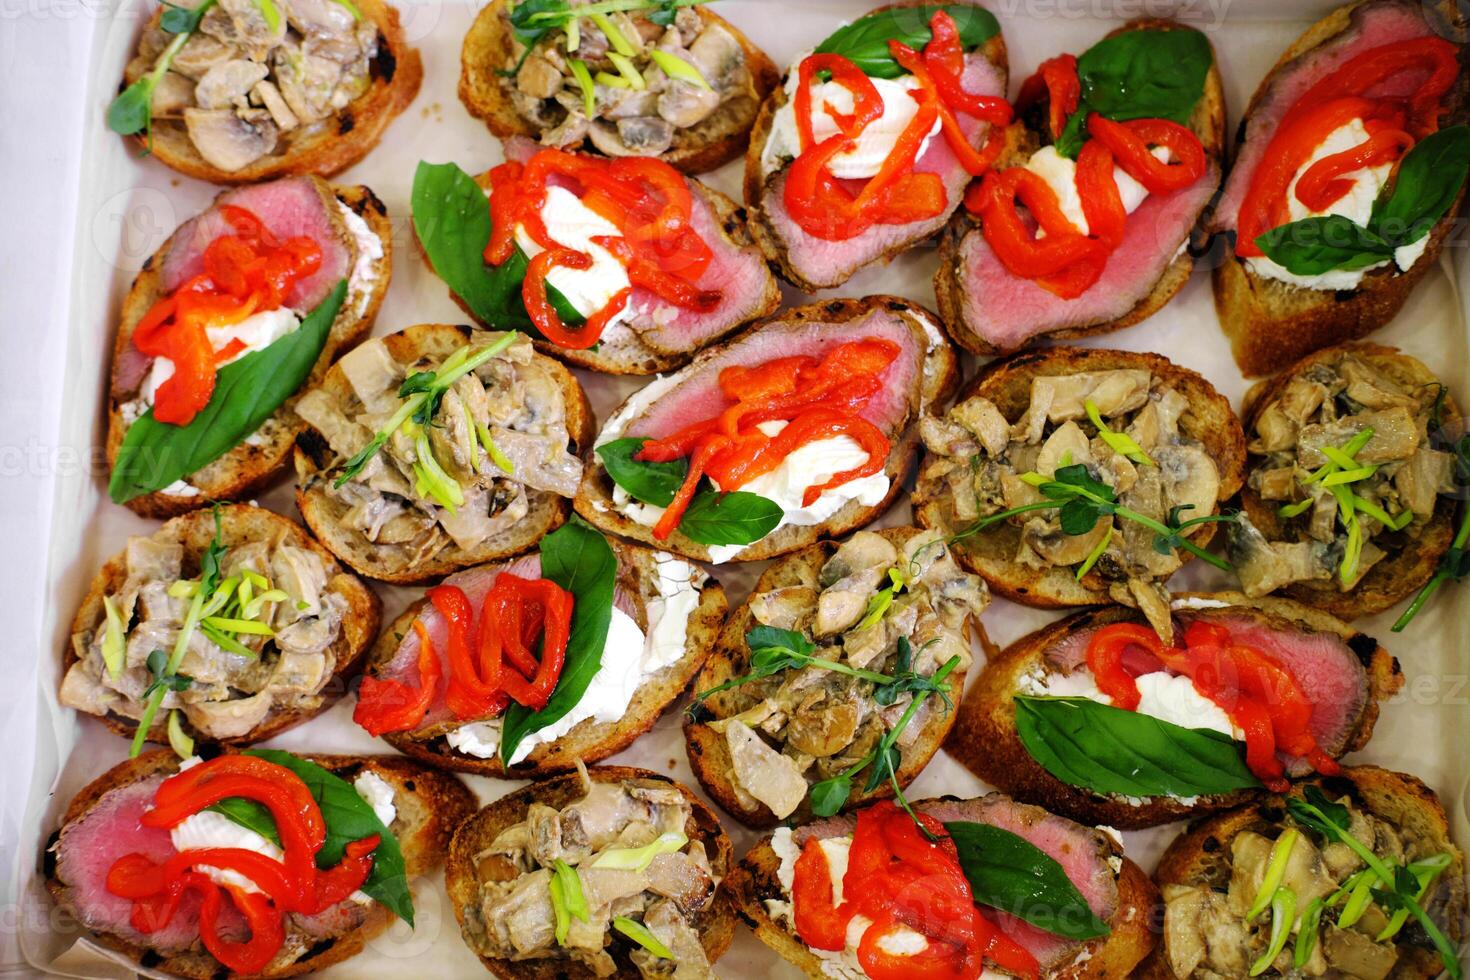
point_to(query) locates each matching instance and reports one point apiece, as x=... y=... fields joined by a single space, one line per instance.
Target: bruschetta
x=210 y=351
x=1353 y=460
x=1076 y=476
x=1118 y=155
x=437 y=448
x=234 y=91
x=959 y=888
x=642 y=265
x=675 y=82
x=823 y=399
x=228 y=627
x=603 y=872
x=872 y=157
x=1049 y=720
x=1355 y=875
x=625 y=628
x=840 y=653
x=145 y=869
x=1339 y=208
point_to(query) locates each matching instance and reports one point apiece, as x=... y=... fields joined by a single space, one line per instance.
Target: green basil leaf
x=1429 y=179
x=250 y=815
x=1313 y=246
x=1110 y=750
x=1150 y=74
x=246 y=393
x=649 y=483
x=578 y=559
x=729 y=518
x=348 y=818
x=864 y=42
x=451 y=217
x=1009 y=873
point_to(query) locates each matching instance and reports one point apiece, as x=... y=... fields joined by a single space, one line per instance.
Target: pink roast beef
x=823 y=263
x=696 y=395
x=1329 y=672
x=291 y=207
x=1370 y=25
x=1083 y=853
x=739 y=273
x=1007 y=311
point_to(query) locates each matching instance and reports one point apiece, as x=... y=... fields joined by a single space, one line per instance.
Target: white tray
x=127 y=206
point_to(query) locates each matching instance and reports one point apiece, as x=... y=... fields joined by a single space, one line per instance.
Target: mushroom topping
x=229 y=140
x=684 y=104
x=228 y=84
x=636 y=137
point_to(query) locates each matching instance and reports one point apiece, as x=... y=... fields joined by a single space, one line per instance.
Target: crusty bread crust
x=754 y=882
x=1270 y=322
x=322 y=514
x=1397 y=576
x=431 y=805
x=246 y=469
x=590 y=741
x=984 y=736
x=709 y=754
x=713 y=143
x=462 y=878
x=771 y=243
x=242 y=523
x=1207 y=122
x=633 y=356
x=938 y=379
x=1201 y=855
x=330 y=146
x=1007 y=383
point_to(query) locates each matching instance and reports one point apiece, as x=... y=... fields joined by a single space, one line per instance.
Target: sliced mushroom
x=1190 y=478
x=1397 y=433
x=1056 y=546
x=319 y=18
x=201 y=53
x=255 y=33
x=228 y=140
x=633 y=103
x=269 y=96
x=719 y=58
x=306 y=81
x=1067 y=446
x=981 y=417
x=570 y=132
x=538 y=78
x=784 y=608
x=639 y=136
x=172 y=96
x=228 y=84
x=1420 y=481
x=684 y=104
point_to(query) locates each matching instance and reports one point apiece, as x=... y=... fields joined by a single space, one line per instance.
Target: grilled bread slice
x=329 y=146
x=1269 y=322
x=1007 y=383
x=950 y=286
x=430 y=805
x=1202 y=857
x=316 y=467
x=248 y=467
x=242 y=524
x=469 y=867
x=985 y=740
x=931 y=384
x=590 y=741
x=720 y=138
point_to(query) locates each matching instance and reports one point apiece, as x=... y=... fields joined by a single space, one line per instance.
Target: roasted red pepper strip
x=1055 y=80
x=938 y=71
x=394 y=706
x=1130 y=142
x=469 y=694
x=710 y=447
x=1319 y=187
x=818 y=922
x=556 y=605
x=1105 y=660
x=1431 y=56
x=267 y=930
x=1013 y=242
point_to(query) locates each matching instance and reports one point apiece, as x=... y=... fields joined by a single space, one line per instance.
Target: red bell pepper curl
x=469 y=694
x=1432 y=55
x=538 y=307
x=869 y=438
x=267 y=930
x=556 y=604
x=819 y=923
x=1264 y=206
x=394 y=706
x=1105 y=660
x=867 y=104
x=674 y=513
x=648 y=275
x=1056 y=81
x=504 y=185
x=1319 y=187
x=1130 y=141
x=938 y=75
x=337 y=883
x=1013 y=242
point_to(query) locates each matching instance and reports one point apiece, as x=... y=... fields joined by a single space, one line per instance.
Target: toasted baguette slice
x=709 y=753
x=1201 y=856
x=984 y=737
x=590 y=741
x=775 y=245
x=241 y=524
x=1007 y=383
x=249 y=466
x=324 y=148
x=933 y=383
x=754 y=887
x=625 y=351
x=430 y=806
x=717 y=140
x=467 y=867
x=950 y=287
x=1269 y=322
x=1400 y=574
x=316 y=465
